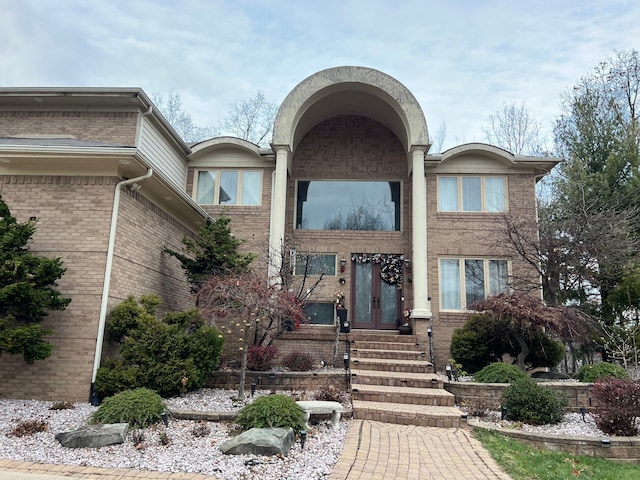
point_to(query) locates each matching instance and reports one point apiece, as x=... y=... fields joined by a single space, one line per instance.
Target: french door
x=376 y=304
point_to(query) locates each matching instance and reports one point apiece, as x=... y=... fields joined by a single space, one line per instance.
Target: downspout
x=106 y=284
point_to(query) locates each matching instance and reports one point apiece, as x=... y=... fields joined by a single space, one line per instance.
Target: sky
x=462 y=59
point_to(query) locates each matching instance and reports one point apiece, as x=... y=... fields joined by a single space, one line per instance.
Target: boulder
x=260 y=441
x=94 y=436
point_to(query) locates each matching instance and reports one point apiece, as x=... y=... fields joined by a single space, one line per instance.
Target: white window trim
x=216 y=191
x=462 y=280
x=483 y=178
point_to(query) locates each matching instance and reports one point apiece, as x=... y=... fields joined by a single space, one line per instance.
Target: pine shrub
x=619 y=405
x=260 y=358
x=139 y=408
x=596 y=371
x=298 y=362
x=272 y=411
x=499 y=372
x=528 y=402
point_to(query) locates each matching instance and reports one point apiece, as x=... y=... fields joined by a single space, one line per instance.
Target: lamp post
x=303 y=438
x=582 y=412
x=447 y=368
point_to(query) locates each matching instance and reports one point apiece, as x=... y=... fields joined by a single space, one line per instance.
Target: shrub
x=528 y=402
x=62 y=405
x=260 y=358
x=298 y=362
x=596 y=371
x=171 y=355
x=331 y=394
x=29 y=427
x=619 y=405
x=484 y=339
x=272 y=411
x=139 y=408
x=499 y=372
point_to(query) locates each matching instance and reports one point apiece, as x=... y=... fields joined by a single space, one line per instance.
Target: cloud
x=460 y=59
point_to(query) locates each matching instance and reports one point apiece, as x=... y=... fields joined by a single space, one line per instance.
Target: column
x=278 y=209
x=421 y=305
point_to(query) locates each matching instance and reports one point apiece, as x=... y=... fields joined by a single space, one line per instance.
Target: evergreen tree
x=214 y=252
x=27 y=290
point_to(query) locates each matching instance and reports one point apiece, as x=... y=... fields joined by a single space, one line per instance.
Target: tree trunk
x=524 y=351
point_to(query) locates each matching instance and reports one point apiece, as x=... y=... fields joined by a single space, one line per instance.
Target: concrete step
x=388 y=354
x=408 y=395
x=395 y=379
x=405 y=414
x=382 y=364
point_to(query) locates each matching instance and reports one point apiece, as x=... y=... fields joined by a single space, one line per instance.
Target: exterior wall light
x=343 y=264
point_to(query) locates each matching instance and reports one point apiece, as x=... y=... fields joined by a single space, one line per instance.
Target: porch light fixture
x=343 y=263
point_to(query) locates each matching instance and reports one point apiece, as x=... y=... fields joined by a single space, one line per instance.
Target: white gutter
x=102 y=320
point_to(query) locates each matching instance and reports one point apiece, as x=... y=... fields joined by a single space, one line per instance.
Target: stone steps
x=395 y=379
x=392 y=365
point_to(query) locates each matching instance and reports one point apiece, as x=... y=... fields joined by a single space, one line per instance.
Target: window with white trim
x=464 y=281
x=472 y=193
x=228 y=187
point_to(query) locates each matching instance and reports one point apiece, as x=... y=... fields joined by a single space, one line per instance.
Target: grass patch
x=527 y=463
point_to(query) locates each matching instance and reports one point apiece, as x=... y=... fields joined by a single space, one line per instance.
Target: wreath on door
x=391 y=265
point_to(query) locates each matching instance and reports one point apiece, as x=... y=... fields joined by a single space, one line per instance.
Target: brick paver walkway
x=372 y=451
x=382 y=451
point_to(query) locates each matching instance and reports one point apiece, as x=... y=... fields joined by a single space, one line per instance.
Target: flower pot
x=405 y=330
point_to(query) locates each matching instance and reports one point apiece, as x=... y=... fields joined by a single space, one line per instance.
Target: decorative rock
x=260 y=441
x=94 y=436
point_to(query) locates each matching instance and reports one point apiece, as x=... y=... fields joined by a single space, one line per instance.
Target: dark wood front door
x=376 y=304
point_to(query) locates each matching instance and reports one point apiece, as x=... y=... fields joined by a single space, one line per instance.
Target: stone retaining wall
x=624 y=449
x=490 y=394
x=298 y=381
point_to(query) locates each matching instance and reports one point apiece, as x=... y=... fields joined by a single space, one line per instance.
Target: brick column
x=421 y=304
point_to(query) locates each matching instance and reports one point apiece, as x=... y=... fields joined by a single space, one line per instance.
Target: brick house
x=348 y=180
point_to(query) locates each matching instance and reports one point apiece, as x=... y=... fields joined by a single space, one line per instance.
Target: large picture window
x=228 y=187
x=471 y=194
x=464 y=281
x=346 y=205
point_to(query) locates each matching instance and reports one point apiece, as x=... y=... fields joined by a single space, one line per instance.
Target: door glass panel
x=388 y=303
x=363 y=292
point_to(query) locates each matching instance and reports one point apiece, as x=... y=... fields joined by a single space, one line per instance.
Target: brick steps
x=392 y=365
x=391 y=381
x=361 y=353
x=405 y=414
x=409 y=395
x=395 y=379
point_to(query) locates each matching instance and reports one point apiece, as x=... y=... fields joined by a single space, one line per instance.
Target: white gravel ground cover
x=185 y=452
x=572 y=424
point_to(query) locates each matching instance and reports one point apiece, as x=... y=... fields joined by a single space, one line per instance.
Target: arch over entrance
x=350 y=90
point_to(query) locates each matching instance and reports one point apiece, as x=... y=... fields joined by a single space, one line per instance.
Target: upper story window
x=464 y=281
x=348 y=205
x=228 y=187
x=472 y=194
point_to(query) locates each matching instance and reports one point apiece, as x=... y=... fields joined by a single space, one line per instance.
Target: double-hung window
x=469 y=193
x=464 y=281
x=228 y=187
